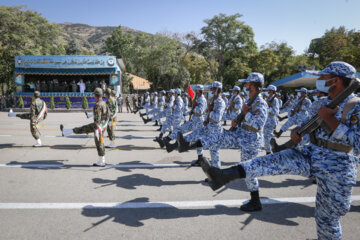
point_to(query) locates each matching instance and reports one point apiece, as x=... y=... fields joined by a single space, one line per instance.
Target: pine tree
x=85 y=103
x=68 y=103
x=20 y=102
x=52 y=103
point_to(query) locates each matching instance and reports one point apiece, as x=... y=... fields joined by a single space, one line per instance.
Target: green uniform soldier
x=38 y=112
x=111 y=103
x=88 y=87
x=101 y=120
x=127 y=102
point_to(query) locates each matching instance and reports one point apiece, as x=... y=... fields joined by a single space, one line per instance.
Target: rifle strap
x=348 y=106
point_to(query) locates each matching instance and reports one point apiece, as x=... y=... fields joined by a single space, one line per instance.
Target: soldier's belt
x=331 y=145
x=250 y=128
x=197 y=114
x=271 y=115
x=213 y=121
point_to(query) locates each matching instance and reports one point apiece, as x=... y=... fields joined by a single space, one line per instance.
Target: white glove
x=97 y=134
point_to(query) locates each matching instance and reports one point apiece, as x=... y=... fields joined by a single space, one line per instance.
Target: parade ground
x=54 y=192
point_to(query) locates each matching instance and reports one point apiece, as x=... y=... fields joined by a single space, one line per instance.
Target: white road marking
x=29 y=165
x=135 y=205
x=5 y=135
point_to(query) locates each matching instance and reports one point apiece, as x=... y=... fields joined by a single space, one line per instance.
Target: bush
x=52 y=103
x=68 y=103
x=85 y=104
x=20 y=102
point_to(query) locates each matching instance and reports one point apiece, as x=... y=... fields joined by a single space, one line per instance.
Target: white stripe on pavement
x=130 y=205
x=29 y=165
x=5 y=135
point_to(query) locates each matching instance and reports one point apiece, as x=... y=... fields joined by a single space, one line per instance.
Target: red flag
x=191 y=92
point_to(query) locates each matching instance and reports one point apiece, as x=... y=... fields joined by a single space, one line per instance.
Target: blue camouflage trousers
x=335 y=173
x=158 y=117
x=296 y=119
x=208 y=130
x=230 y=140
x=167 y=125
x=268 y=135
x=187 y=127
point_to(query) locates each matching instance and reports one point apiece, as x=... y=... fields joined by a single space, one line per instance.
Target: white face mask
x=266 y=94
x=211 y=95
x=315 y=98
x=321 y=85
x=299 y=94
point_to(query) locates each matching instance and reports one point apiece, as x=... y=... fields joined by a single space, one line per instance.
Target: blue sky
x=293 y=21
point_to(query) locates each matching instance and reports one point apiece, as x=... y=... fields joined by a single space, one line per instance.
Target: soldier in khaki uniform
x=38 y=112
x=111 y=103
x=101 y=120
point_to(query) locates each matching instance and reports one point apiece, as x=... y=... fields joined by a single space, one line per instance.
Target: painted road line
x=126 y=166
x=5 y=135
x=78 y=147
x=139 y=205
x=58 y=130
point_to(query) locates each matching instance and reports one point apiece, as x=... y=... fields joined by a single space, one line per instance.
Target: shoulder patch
x=354 y=120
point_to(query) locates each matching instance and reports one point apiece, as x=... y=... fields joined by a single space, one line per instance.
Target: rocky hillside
x=89 y=39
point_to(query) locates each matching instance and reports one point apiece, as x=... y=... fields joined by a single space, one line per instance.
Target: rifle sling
x=329 y=145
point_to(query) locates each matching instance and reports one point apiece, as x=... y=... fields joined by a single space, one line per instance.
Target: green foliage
x=20 y=102
x=126 y=82
x=25 y=32
x=85 y=104
x=337 y=44
x=52 y=103
x=68 y=103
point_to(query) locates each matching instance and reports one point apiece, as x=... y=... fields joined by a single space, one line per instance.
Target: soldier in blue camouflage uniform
x=299 y=112
x=226 y=101
x=211 y=126
x=235 y=104
x=197 y=118
x=248 y=137
x=158 y=111
x=332 y=159
x=272 y=119
x=154 y=108
x=185 y=98
x=167 y=126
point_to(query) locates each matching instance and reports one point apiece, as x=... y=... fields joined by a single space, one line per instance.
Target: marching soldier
x=299 y=112
x=331 y=158
x=248 y=136
x=197 y=118
x=38 y=112
x=146 y=105
x=272 y=118
x=235 y=105
x=101 y=120
x=211 y=126
x=111 y=103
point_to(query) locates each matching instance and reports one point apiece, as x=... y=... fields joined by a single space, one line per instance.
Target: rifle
x=316 y=122
x=297 y=107
x=241 y=116
x=211 y=106
x=194 y=104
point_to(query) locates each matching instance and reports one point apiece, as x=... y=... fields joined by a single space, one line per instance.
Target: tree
x=20 y=102
x=25 y=32
x=67 y=103
x=52 y=102
x=227 y=44
x=85 y=103
x=337 y=44
x=73 y=48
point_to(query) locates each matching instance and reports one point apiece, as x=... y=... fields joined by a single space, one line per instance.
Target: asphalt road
x=53 y=192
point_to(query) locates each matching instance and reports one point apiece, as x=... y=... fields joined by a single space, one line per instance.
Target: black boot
x=146 y=120
x=142 y=114
x=156 y=123
x=197 y=163
x=159 y=129
x=267 y=153
x=186 y=146
x=254 y=204
x=224 y=123
x=278 y=134
x=219 y=177
x=170 y=147
x=160 y=140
